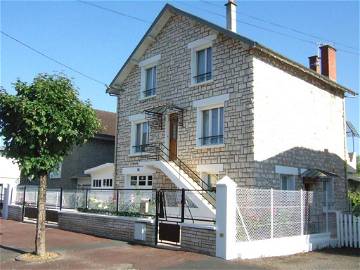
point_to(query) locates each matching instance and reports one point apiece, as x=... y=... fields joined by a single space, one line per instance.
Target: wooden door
x=173 y=136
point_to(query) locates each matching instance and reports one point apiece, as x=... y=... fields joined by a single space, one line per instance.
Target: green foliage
x=111 y=213
x=358 y=165
x=43 y=122
x=355 y=202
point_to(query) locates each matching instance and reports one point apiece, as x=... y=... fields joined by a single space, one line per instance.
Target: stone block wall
x=119 y=228
x=15 y=212
x=201 y=239
x=232 y=74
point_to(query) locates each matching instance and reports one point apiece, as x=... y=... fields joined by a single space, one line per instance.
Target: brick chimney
x=314 y=63
x=231 y=15
x=328 y=61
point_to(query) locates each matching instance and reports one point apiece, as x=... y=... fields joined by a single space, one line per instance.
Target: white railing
x=348 y=230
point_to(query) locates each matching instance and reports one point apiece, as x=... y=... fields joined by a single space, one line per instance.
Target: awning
x=317 y=173
x=157 y=113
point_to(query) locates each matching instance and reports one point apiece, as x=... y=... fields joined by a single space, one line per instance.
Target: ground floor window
x=287 y=182
x=328 y=188
x=210 y=179
x=141 y=180
x=107 y=182
x=96 y=183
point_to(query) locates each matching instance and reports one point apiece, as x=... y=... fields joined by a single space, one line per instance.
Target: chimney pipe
x=314 y=63
x=328 y=61
x=231 y=15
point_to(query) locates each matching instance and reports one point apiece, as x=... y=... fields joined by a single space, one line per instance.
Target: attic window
x=149 y=76
x=201 y=60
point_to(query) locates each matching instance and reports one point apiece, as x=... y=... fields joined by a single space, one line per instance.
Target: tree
x=358 y=165
x=40 y=124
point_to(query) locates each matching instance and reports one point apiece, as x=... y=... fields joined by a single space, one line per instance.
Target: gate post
x=61 y=196
x=156 y=216
x=226 y=219
x=23 y=205
x=182 y=205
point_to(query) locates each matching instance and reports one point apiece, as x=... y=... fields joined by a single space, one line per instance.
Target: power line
x=53 y=59
x=114 y=11
x=288 y=28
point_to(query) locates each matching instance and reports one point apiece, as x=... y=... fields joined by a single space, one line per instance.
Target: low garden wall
x=15 y=212
x=198 y=238
x=113 y=227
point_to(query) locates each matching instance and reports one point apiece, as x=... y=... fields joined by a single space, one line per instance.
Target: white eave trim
x=137 y=171
x=211 y=101
x=98 y=168
x=202 y=42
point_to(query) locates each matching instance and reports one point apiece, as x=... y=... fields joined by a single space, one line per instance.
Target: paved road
x=80 y=251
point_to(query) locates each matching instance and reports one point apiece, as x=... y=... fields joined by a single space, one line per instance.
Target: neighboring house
x=102 y=176
x=98 y=150
x=9 y=177
x=225 y=105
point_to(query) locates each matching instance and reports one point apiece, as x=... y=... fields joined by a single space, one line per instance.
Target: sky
x=97 y=42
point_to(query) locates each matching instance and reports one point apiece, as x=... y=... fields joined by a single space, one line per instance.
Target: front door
x=173 y=136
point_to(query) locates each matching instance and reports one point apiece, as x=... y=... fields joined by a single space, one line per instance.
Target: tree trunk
x=40 y=224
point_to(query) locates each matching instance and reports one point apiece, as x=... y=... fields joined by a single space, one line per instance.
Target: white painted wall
x=289 y=112
x=105 y=171
x=9 y=171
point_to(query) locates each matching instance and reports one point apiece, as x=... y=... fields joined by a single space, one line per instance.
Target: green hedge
x=111 y=213
x=355 y=202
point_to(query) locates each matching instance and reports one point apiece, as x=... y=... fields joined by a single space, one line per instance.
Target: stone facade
x=119 y=228
x=233 y=74
x=201 y=239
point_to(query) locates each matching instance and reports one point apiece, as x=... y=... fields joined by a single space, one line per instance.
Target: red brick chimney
x=328 y=61
x=314 y=63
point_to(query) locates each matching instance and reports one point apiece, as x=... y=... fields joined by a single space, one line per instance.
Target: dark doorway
x=173 y=132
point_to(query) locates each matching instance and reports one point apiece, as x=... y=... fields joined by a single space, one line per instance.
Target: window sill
x=146 y=98
x=139 y=154
x=210 y=146
x=201 y=83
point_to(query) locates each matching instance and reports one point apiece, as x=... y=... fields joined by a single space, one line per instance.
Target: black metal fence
x=178 y=205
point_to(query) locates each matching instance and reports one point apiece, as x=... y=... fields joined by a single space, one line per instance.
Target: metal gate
x=170 y=205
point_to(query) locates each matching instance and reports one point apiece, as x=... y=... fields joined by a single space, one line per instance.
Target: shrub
x=355 y=202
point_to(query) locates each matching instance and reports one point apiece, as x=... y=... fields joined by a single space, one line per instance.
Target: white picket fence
x=348 y=230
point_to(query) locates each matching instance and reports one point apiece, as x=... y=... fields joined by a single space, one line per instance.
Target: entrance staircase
x=184 y=178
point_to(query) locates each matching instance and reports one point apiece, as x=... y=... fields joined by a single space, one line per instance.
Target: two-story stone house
x=221 y=104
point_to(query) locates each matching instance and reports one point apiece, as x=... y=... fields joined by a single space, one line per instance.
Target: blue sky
x=98 y=42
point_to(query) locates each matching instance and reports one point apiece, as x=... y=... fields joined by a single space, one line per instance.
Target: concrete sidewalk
x=82 y=251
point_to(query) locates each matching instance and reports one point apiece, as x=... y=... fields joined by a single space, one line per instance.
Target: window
x=203 y=65
x=148 y=76
x=150 y=82
x=212 y=126
x=141 y=180
x=328 y=188
x=141 y=137
x=96 y=183
x=56 y=173
x=201 y=59
x=107 y=182
x=287 y=182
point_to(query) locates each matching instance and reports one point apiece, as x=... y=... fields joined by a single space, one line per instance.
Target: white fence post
x=272 y=212
x=226 y=219
x=338 y=237
x=302 y=211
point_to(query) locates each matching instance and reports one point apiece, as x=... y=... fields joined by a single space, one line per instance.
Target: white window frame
x=99 y=180
x=209 y=169
x=207 y=104
x=196 y=46
x=57 y=174
x=105 y=180
x=137 y=119
x=292 y=185
x=137 y=186
x=144 y=65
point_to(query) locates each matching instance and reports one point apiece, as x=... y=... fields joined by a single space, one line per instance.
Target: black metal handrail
x=202 y=77
x=159 y=151
x=149 y=92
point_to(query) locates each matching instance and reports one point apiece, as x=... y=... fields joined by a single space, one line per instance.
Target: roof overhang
x=167 y=12
x=317 y=173
x=99 y=168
